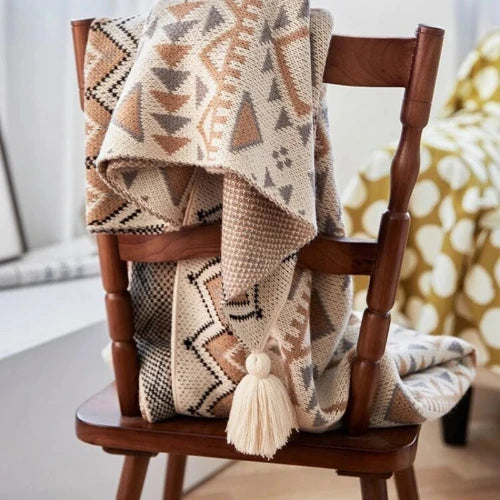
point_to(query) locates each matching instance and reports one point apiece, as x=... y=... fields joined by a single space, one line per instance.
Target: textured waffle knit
x=214 y=111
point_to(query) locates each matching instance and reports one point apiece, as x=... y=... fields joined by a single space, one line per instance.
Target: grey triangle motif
x=151 y=28
x=307 y=375
x=313 y=402
x=214 y=19
x=283 y=120
x=304 y=10
x=282 y=20
x=200 y=153
x=319 y=421
x=320 y=182
x=129 y=177
x=274 y=93
x=175 y=31
x=201 y=91
x=286 y=192
x=305 y=132
x=455 y=347
x=266 y=35
x=330 y=227
x=268 y=62
x=172 y=79
x=170 y=123
x=268 y=181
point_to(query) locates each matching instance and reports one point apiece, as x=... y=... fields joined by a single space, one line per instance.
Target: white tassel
x=262 y=416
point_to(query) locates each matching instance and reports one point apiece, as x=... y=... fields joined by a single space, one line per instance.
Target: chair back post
x=114 y=276
x=394 y=227
x=80 y=31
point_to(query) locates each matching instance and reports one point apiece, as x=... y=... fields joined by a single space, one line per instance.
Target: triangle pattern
x=268 y=63
x=274 y=93
x=268 y=181
x=330 y=227
x=170 y=144
x=170 y=123
x=214 y=19
x=172 y=79
x=304 y=10
x=319 y=420
x=286 y=192
x=171 y=53
x=282 y=21
x=128 y=114
x=246 y=131
x=200 y=91
x=177 y=180
x=400 y=411
x=128 y=177
x=170 y=102
x=305 y=132
x=283 y=120
x=181 y=10
x=150 y=31
x=175 y=31
x=266 y=35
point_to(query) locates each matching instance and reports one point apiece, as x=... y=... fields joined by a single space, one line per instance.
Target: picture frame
x=12 y=240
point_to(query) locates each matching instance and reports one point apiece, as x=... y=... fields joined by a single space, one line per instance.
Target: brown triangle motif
x=246 y=131
x=221 y=407
x=177 y=180
x=401 y=410
x=170 y=102
x=128 y=114
x=229 y=355
x=170 y=144
x=181 y=10
x=172 y=53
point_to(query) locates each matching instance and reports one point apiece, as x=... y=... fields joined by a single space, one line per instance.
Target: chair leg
x=406 y=484
x=373 y=488
x=174 y=479
x=132 y=477
x=454 y=424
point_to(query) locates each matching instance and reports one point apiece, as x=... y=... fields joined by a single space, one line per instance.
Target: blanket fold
x=215 y=111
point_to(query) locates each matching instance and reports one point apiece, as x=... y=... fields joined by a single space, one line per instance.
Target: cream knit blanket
x=214 y=111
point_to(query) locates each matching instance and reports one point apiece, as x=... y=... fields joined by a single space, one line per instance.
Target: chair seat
x=379 y=451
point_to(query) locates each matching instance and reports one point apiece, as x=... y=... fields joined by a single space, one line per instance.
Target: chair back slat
x=324 y=254
x=411 y=63
x=369 y=62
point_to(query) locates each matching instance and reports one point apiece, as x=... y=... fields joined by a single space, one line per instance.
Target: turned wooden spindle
x=120 y=323
x=393 y=232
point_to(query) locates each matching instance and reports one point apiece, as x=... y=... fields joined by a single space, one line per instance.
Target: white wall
x=365 y=119
x=42 y=122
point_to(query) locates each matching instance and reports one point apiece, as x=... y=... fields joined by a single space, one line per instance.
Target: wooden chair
x=111 y=419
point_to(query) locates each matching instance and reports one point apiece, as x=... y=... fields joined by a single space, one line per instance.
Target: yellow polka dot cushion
x=450 y=281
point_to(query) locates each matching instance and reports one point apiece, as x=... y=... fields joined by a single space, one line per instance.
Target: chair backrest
x=411 y=63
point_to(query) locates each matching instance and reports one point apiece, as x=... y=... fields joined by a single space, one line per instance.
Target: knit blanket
x=215 y=111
